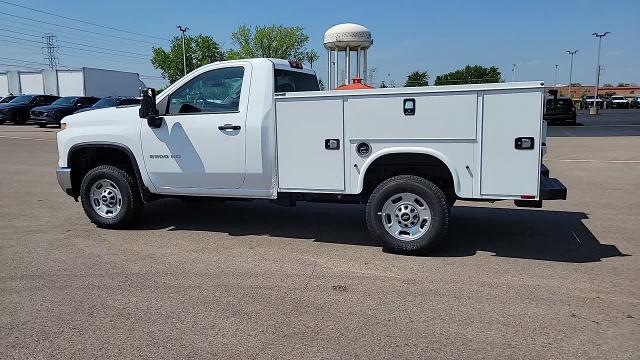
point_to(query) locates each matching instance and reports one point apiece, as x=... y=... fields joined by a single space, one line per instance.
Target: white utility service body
x=285 y=143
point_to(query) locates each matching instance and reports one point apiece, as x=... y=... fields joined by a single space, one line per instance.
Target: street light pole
x=513 y=73
x=599 y=36
x=184 y=55
x=555 y=79
x=571 y=52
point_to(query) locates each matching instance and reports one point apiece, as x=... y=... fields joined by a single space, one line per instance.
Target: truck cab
x=261 y=129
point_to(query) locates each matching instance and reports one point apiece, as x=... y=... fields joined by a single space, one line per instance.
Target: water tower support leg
x=364 y=63
x=347 y=67
x=358 y=61
x=329 y=80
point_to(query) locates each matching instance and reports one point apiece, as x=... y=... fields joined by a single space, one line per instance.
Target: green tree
x=417 y=78
x=275 y=41
x=475 y=74
x=311 y=56
x=199 y=49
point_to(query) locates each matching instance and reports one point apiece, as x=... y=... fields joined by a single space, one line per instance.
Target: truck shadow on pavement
x=505 y=232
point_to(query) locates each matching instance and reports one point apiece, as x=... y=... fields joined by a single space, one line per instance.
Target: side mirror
x=148 y=109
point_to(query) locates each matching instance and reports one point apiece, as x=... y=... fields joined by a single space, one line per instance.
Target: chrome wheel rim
x=106 y=198
x=406 y=216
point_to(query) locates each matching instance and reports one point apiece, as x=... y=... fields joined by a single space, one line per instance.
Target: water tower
x=346 y=38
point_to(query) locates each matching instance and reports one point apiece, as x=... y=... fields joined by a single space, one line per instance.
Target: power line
x=13 y=44
x=18 y=60
x=60 y=33
x=81 y=49
x=83 y=21
x=103 y=48
x=20 y=66
x=77 y=29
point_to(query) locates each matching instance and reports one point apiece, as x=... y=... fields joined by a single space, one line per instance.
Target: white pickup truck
x=261 y=129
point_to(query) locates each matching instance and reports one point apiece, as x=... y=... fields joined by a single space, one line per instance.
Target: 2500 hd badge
x=165 y=156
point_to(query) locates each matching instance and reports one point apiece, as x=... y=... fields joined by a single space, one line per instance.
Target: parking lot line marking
x=604 y=161
x=619 y=125
x=24 y=138
x=576 y=236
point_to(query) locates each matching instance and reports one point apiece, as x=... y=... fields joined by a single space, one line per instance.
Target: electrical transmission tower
x=50 y=50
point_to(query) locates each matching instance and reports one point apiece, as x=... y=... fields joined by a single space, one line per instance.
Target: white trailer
x=73 y=82
x=244 y=129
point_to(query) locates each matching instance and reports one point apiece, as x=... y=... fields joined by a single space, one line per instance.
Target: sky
x=436 y=36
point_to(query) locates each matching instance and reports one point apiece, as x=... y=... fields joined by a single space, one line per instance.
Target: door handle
x=226 y=127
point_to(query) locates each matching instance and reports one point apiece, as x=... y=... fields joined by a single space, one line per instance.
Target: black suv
x=17 y=110
x=53 y=114
x=559 y=109
x=112 y=102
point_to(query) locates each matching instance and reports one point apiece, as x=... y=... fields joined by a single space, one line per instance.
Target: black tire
x=19 y=120
x=42 y=125
x=131 y=200
x=435 y=200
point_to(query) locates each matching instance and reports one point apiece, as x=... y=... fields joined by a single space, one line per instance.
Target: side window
x=215 y=91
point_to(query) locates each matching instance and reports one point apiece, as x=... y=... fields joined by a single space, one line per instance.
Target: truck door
x=201 y=143
x=511 y=133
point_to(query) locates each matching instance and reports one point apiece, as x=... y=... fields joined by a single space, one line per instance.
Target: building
x=578 y=92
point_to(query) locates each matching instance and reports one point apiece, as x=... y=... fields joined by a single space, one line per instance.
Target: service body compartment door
x=310 y=144
x=510 y=120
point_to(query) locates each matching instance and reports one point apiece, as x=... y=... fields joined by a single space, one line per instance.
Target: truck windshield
x=24 y=99
x=107 y=102
x=294 y=81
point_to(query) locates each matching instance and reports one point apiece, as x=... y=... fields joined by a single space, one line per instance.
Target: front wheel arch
x=83 y=157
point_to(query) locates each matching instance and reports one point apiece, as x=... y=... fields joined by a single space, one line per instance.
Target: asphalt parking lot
x=254 y=280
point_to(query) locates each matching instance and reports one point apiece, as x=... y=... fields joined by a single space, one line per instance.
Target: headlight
x=63 y=125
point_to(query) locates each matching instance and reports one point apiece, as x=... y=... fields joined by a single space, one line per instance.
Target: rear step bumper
x=550 y=189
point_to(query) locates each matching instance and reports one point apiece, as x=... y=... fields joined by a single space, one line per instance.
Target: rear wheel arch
x=403 y=163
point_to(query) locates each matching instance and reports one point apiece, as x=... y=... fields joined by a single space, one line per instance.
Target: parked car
x=52 y=114
x=635 y=103
x=112 y=102
x=587 y=102
x=560 y=109
x=17 y=110
x=7 y=98
x=618 y=102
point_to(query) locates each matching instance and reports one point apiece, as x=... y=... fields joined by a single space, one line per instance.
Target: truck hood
x=104 y=116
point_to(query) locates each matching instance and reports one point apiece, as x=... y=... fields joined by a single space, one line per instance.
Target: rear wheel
x=407 y=214
x=42 y=125
x=110 y=197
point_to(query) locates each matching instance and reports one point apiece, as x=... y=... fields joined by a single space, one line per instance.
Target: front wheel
x=110 y=197
x=408 y=214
